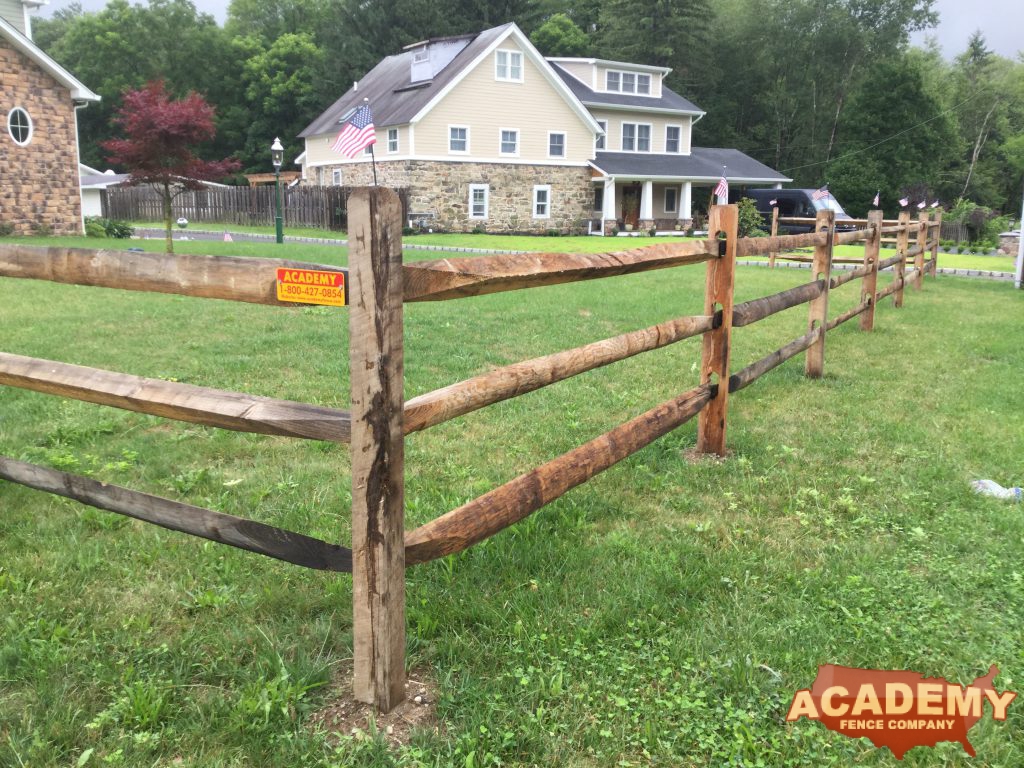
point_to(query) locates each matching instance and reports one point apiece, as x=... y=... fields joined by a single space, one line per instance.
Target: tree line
x=828 y=93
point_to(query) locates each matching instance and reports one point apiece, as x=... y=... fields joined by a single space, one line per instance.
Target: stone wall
x=442 y=189
x=39 y=181
x=1009 y=243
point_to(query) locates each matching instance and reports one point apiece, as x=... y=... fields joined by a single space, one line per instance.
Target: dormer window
x=420 y=55
x=627 y=82
x=508 y=66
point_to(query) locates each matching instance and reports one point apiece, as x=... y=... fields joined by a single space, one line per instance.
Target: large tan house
x=39 y=176
x=487 y=133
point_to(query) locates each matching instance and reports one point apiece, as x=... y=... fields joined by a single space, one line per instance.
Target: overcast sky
x=998 y=20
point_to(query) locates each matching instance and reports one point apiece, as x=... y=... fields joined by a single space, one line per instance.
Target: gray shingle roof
x=669 y=99
x=703 y=163
x=393 y=99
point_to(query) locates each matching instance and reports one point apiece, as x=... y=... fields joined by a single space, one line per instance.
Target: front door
x=631 y=205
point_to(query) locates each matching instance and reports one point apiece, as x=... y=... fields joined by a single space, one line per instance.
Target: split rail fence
x=378 y=285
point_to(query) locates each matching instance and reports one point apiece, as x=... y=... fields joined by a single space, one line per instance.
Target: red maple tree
x=160 y=135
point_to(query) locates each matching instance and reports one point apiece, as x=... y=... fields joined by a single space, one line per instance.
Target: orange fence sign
x=311 y=286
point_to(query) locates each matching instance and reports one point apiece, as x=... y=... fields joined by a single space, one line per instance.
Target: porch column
x=647 y=201
x=608 y=214
x=686 y=201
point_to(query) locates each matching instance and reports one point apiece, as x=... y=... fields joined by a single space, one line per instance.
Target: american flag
x=357 y=134
x=773 y=202
x=935 y=204
x=722 y=191
x=875 y=201
x=904 y=202
x=922 y=204
x=818 y=194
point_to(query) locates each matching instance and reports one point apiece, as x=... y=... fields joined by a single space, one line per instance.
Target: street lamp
x=277 y=158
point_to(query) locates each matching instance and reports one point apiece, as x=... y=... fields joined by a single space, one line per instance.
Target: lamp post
x=277 y=158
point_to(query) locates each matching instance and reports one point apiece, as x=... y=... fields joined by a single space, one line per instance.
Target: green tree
x=282 y=93
x=559 y=36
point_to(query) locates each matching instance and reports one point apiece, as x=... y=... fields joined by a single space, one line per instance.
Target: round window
x=19 y=125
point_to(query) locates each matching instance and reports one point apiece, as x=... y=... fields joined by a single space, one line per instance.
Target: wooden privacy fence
x=378 y=285
x=304 y=205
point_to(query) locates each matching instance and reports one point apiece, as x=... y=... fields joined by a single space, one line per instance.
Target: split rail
x=378 y=285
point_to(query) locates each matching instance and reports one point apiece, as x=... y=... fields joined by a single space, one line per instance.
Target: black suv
x=798 y=203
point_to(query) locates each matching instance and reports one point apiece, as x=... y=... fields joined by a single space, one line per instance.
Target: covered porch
x=640 y=192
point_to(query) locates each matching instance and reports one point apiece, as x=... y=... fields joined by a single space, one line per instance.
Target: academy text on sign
x=898 y=710
x=311 y=286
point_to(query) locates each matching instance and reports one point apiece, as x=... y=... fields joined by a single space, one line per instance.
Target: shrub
x=554 y=233
x=652 y=231
x=750 y=219
x=6 y=228
x=42 y=229
x=406 y=231
x=119 y=230
x=94 y=229
x=615 y=231
x=960 y=249
x=478 y=230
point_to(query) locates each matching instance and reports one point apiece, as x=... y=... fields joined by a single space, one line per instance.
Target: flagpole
x=373 y=157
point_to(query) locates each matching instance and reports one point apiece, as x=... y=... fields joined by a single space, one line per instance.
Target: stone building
x=488 y=134
x=39 y=177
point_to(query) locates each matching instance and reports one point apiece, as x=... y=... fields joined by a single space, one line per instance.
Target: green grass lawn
x=663 y=614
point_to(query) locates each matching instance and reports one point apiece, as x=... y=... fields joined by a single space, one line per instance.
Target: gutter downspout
x=78 y=104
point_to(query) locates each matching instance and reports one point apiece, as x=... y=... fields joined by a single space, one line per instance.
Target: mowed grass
x=662 y=614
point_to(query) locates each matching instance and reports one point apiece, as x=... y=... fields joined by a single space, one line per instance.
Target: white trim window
x=601 y=140
x=19 y=126
x=673 y=139
x=556 y=144
x=542 y=201
x=479 y=201
x=508 y=66
x=636 y=137
x=392 y=141
x=458 y=139
x=671 y=199
x=336 y=177
x=618 y=81
x=508 y=142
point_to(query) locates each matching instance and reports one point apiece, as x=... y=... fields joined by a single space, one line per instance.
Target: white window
x=643 y=138
x=542 y=201
x=627 y=82
x=599 y=144
x=392 y=140
x=479 y=195
x=336 y=177
x=556 y=145
x=671 y=199
x=629 y=137
x=420 y=55
x=458 y=139
x=19 y=125
x=508 y=141
x=672 y=134
x=636 y=137
x=508 y=65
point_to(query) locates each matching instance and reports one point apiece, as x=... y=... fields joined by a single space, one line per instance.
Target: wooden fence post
x=902 y=246
x=869 y=285
x=378 y=494
x=935 y=243
x=715 y=358
x=775 y=232
x=821 y=269
x=922 y=241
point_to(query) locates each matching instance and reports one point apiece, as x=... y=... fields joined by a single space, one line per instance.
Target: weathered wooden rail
x=378 y=285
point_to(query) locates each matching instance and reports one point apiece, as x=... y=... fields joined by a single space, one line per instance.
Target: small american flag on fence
x=818 y=194
x=357 y=134
x=877 y=196
x=904 y=202
x=722 y=191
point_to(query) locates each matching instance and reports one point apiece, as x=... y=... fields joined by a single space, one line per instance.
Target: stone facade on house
x=442 y=189
x=39 y=181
